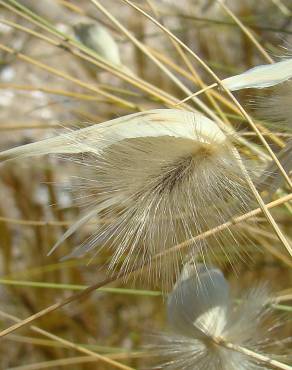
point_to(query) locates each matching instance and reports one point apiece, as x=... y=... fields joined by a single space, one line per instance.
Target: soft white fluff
x=160 y=177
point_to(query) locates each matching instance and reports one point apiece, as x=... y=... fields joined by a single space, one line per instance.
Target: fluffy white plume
x=261 y=76
x=160 y=177
x=212 y=332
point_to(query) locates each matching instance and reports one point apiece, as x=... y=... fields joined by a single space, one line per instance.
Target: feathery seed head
x=160 y=176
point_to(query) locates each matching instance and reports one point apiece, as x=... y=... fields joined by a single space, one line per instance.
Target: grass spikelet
x=262 y=76
x=210 y=331
x=160 y=177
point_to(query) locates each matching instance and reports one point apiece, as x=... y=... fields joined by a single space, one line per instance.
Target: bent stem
x=196 y=94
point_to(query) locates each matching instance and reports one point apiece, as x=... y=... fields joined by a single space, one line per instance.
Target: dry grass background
x=47 y=84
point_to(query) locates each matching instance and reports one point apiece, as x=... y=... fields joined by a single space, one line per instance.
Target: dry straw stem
x=146 y=51
x=48 y=285
x=195 y=78
x=82 y=96
x=194 y=75
x=47 y=90
x=218 y=96
x=265 y=132
x=73 y=7
x=47 y=39
x=79 y=360
x=65 y=76
x=69 y=344
x=174 y=249
x=70 y=361
x=269 y=217
x=199 y=92
x=283 y=8
x=246 y=31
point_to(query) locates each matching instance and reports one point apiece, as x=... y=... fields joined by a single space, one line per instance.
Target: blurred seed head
x=98 y=38
x=199 y=296
x=203 y=315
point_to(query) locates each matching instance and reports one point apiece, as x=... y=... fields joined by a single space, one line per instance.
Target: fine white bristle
x=276 y=112
x=276 y=109
x=160 y=177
